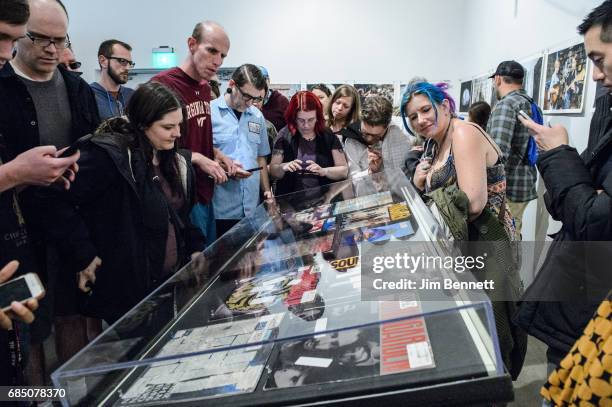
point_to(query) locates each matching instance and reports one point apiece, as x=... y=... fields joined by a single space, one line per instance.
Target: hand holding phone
x=524 y=115
x=19 y=296
x=69 y=151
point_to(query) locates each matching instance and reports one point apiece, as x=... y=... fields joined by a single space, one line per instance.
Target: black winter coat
x=576 y=275
x=115 y=210
x=19 y=127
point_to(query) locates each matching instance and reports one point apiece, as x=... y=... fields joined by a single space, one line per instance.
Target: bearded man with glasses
x=115 y=60
x=45 y=105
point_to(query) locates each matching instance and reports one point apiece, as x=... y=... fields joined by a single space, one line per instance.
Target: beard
x=116 y=77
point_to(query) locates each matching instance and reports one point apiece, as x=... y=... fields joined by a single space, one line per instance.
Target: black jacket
x=353 y=131
x=19 y=127
x=288 y=144
x=18 y=121
x=115 y=210
x=576 y=275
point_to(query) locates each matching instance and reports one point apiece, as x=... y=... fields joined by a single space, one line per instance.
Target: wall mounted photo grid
x=223 y=76
x=532 y=83
x=287 y=89
x=371 y=89
x=564 y=80
x=465 y=96
x=331 y=86
x=481 y=89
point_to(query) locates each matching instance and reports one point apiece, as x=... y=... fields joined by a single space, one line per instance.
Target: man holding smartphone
x=575 y=276
x=239 y=131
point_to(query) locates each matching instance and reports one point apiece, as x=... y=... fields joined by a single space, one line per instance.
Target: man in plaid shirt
x=512 y=137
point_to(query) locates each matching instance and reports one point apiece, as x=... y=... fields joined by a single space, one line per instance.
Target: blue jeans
x=203 y=217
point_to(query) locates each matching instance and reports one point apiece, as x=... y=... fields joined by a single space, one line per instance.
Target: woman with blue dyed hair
x=455 y=151
x=461 y=155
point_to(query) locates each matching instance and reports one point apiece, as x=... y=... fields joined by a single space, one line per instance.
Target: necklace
x=435 y=153
x=309 y=138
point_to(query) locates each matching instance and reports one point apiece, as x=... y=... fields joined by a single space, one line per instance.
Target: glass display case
x=273 y=313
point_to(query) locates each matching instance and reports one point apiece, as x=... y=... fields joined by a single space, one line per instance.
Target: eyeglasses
x=303 y=122
x=248 y=98
x=123 y=61
x=376 y=136
x=74 y=65
x=44 y=42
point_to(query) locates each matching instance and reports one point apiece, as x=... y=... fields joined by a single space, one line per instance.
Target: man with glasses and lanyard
x=115 y=60
x=45 y=105
x=239 y=131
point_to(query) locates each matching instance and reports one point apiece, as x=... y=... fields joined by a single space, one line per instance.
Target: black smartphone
x=69 y=151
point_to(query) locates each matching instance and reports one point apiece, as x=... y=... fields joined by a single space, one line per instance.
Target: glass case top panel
x=292 y=270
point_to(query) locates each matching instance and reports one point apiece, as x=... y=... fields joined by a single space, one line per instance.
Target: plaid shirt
x=512 y=138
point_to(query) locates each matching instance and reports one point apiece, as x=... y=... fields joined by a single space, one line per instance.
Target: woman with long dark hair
x=124 y=224
x=306 y=154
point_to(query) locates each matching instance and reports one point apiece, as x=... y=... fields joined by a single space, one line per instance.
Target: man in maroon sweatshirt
x=208 y=46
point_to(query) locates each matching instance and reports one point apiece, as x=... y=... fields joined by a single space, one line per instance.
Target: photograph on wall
x=465 y=96
x=533 y=77
x=331 y=86
x=223 y=76
x=402 y=90
x=370 y=89
x=287 y=89
x=481 y=89
x=564 y=80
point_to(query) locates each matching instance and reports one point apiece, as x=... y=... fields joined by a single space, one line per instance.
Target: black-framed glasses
x=123 y=61
x=248 y=98
x=44 y=42
x=374 y=135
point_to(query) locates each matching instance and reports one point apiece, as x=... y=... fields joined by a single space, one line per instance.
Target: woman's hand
x=420 y=174
x=292 y=166
x=89 y=274
x=316 y=168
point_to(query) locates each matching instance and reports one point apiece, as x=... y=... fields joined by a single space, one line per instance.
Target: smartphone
x=69 y=151
x=20 y=289
x=524 y=115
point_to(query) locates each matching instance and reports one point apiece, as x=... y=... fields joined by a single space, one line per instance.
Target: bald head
x=208 y=47
x=50 y=12
x=48 y=22
x=207 y=28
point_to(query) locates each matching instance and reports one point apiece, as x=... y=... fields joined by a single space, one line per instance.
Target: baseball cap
x=510 y=68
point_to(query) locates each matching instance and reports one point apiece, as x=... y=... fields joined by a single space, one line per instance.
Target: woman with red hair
x=306 y=154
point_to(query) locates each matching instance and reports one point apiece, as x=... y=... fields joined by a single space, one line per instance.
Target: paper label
x=314 y=362
x=419 y=354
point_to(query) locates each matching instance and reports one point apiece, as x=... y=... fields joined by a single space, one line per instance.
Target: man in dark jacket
x=575 y=278
x=43 y=104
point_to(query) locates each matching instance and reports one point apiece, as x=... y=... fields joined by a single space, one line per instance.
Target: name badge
x=254 y=127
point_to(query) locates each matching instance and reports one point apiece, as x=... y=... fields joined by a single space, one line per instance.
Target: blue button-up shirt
x=242 y=140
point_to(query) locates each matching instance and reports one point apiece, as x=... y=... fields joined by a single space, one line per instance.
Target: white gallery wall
x=348 y=40
x=314 y=40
